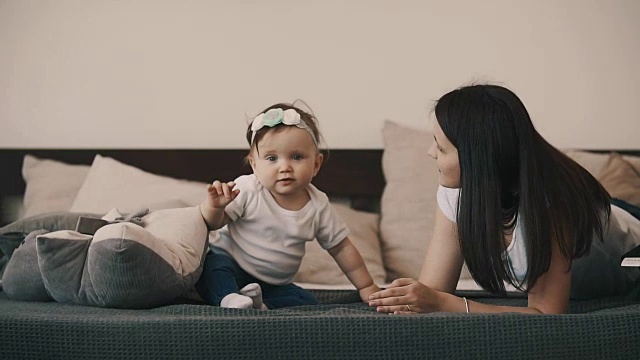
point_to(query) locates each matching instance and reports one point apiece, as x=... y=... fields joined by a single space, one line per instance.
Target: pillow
x=621 y=179
x=50 y=185
x=594 y=162
x=124 y=265
x=13 y=234
x=633 y=160
x=53 y=221
x=21 y=279
x=112 y=184
x=408 y=201
x=319 y=270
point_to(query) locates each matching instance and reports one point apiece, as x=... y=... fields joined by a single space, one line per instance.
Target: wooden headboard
x=353 y=173
x=356 y=174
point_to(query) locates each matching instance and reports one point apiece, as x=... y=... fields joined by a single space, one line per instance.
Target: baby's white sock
x=236 y=301
x=254 y=291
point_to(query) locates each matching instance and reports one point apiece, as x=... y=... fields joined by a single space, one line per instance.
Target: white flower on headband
x=277 y=116
x=274 y=117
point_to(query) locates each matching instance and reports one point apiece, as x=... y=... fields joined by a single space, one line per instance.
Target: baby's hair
x=307 y=116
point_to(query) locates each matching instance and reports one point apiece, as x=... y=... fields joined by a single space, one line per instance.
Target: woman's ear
x=318 y=163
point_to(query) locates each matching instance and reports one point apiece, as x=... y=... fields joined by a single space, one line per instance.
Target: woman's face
x=446 y=155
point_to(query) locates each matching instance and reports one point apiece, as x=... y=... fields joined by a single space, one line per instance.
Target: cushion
x=408 y=201
x=53 y=221
x=594 y=162
x=112 y=184
x=633 y=160
x=124 y=265
x=319 y=269
x=14 y=235
x=50 y=185
x=21 y=279
x=621 y=179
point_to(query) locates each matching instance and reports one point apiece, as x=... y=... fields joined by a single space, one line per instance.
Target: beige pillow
x=408 y=202
x=621 y=179
x=633 y=160
x=319 y=269
x=592 y=162
x=112 y=184
x=50 y=185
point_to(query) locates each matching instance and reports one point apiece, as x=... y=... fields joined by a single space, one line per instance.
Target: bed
x=384 y=197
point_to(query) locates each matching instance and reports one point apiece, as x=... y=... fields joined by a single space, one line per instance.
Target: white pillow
x=408 y=202
x=50 y=185
x=112 y=184
x=320 y=271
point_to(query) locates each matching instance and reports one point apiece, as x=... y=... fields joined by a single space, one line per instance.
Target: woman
x=517 y=211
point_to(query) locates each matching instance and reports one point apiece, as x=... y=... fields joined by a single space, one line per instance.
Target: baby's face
x=285 y=162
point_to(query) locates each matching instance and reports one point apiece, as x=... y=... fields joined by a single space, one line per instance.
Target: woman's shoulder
x=448 y=201
x=448 y=195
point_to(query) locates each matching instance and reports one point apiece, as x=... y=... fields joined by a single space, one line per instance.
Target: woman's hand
x=406 y=296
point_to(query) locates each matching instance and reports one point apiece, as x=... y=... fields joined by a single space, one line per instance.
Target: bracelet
x=466 y=304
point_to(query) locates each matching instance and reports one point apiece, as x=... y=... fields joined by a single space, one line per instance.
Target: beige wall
x=183 y=74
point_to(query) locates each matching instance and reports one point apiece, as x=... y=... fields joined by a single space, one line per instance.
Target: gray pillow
x=15 y=233
x=53 y=221
x=124 y=265
x=21 y=279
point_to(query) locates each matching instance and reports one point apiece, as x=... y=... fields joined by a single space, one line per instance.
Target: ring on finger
x=408 y=307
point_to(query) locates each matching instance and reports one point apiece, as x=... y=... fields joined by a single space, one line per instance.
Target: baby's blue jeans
x=221 y=276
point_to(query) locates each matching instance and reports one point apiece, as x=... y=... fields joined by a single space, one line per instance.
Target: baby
x=265 y=219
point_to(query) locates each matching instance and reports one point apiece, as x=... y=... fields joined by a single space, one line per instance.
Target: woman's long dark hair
x=508 y=174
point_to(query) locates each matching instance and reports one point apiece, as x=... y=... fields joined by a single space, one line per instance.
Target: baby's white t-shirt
x=268 y=241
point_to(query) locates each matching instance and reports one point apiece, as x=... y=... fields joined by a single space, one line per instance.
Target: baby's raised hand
x=221 y=194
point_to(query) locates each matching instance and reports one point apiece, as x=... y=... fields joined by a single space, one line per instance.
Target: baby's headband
x=277 y=116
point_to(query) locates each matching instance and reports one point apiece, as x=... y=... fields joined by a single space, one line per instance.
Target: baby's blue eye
x=271 y=158
x=297 y=157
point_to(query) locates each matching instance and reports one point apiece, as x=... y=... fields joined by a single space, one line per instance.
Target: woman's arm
x=443 y=259
x=350 y=261
x=439 y=276
x=550 y=295
x=440 y=273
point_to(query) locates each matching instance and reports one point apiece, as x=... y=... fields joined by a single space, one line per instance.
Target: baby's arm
x=219 y=195
x=351 y=263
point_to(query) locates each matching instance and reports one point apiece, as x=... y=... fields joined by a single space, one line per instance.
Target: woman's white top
x=623 y=228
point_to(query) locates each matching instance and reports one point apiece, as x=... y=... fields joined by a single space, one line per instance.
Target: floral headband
x=277 y=116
